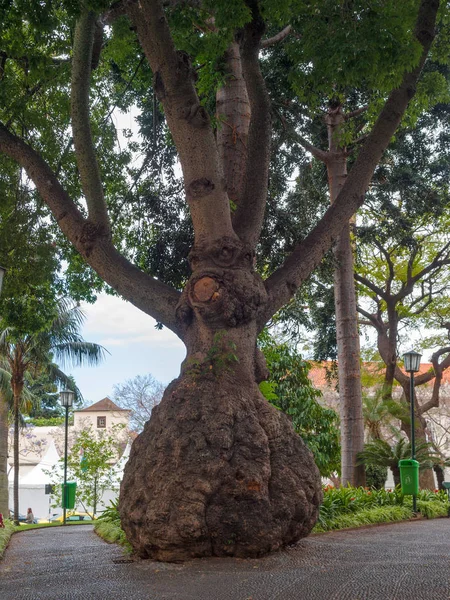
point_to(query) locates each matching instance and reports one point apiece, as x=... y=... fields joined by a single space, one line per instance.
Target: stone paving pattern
x=405 y=561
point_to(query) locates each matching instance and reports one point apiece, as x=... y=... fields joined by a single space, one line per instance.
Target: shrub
x=352 y=507
x=108 y=527
x=5 y=534
x=376 y=476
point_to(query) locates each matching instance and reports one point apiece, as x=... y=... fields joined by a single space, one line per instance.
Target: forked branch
x=188 y=122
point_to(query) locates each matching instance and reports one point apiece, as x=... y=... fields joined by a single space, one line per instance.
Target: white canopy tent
x=32 y=486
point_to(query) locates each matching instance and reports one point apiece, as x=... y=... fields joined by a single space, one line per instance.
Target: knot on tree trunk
x=226 y=298
x=225 y=252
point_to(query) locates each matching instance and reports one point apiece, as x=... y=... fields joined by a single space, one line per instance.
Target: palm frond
x=79 y=353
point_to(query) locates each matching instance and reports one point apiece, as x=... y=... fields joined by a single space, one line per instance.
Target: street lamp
x=66 y=397
x=411 y=361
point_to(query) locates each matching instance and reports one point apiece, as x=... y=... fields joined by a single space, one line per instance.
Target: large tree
x=217 y=470
x=404 y=265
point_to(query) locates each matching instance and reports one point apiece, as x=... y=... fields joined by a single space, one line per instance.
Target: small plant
x=219 y=358
x=5 y=534
x=108 y=526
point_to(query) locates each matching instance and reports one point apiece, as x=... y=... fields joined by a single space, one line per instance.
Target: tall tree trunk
x=4 y=496
x=396 y=475
x=440 y=476
x=17 y=391
x=218 y=471
x=350 y=396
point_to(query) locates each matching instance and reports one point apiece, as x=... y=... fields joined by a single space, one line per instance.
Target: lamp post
x=411 y=361
x=66 y=397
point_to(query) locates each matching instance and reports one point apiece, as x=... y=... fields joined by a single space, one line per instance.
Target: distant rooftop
x=103 y=405
x=317 y=374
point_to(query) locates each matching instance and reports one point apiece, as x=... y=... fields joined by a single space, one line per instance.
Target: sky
x=135 y=348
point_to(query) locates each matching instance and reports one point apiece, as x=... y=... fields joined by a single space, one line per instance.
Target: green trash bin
x=68 y=501
x=409 y=476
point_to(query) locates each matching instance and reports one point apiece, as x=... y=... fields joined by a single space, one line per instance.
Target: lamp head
x=66 y=397
x=411 y=360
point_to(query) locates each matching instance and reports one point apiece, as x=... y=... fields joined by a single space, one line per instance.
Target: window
x=101 y=421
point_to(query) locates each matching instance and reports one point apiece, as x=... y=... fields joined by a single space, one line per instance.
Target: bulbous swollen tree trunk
x=217 y=471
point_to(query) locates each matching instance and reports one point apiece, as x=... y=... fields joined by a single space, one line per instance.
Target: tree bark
x=17 y=386
x=4 y=495
x=396 y=475
x=233 y=114
x=217 y=471
x=350 y=396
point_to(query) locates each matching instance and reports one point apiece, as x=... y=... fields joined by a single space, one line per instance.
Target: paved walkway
x=406 y=561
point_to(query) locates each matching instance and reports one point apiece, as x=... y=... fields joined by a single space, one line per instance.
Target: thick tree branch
x=248 y=218
x=370 y=318
x=283 y=284
x=276 y=39
x=322 y=155
x=355 y=113
x=188 y=122
x=233 y=112
x=82 y=136
x=371 y=286
x=150 y=295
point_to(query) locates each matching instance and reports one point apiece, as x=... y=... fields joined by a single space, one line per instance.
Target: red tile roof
x=317 y=374
x=103 y=405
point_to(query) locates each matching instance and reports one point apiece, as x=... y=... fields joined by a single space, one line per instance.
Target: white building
x=101 y=415
x=40 y=448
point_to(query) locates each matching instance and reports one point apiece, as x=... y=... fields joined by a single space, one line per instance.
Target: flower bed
x=353 y=507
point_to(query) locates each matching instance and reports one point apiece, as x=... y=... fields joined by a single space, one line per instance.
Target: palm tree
x=60 y=341
x=380 y=453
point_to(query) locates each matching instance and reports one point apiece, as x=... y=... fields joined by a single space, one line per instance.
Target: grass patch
x=112 y=533
x=356 y=507
x=367 y=516
x=433 y=510
x=5 y=535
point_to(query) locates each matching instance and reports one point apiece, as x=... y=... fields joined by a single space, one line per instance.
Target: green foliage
x=47 y=422
x=5 y=535
x=376 y=476
x=92 y=472
x=108 y=526
x=377 y=514
x=433 y=509
x=354 y=507
x=381 y=454
x=290 y=390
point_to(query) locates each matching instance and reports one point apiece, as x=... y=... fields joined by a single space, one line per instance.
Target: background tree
x=289 y=389
x=235 y=452
x=90 y=464
x=380 y=453
x=23 y=351
x=403 y=266
x=140 y=395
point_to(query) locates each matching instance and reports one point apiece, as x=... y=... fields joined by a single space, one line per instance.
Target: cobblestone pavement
x=405 y=561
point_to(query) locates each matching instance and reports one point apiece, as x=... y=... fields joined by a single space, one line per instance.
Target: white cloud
x=112 y=321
